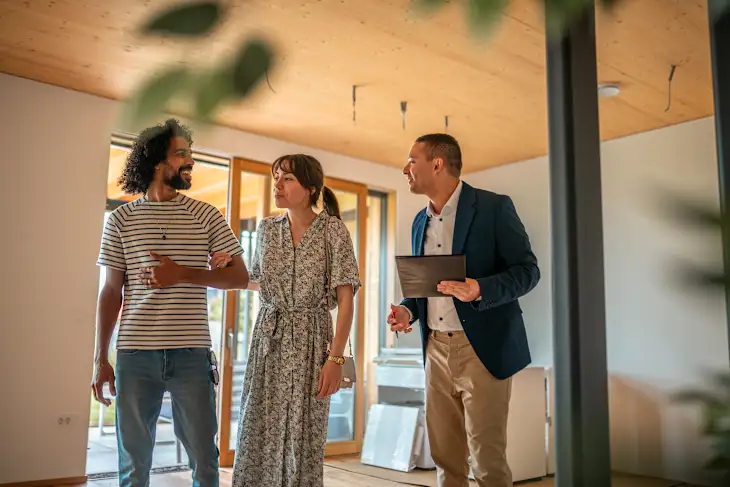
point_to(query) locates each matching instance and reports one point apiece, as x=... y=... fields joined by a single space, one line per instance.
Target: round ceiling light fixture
x=608 y=90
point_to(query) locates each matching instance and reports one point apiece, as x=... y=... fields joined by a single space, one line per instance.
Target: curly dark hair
x=149 y=149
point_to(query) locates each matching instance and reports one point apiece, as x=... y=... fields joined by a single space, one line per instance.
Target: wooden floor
x=332 y=478
x=337 y=473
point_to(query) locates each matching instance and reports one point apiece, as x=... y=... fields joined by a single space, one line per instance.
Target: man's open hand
x=463 y=291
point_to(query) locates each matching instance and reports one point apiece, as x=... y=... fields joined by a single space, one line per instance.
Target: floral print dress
x=283 y=427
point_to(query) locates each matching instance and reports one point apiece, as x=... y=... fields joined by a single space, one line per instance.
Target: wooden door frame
x=372 y=333
x=355 y=446
x=237 y=167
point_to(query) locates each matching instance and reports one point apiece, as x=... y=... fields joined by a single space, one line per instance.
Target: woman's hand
x=219 y=260
x=329 y=379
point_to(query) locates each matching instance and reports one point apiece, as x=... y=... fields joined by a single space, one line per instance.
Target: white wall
x=54 y=148
x=55 y=155
x=662 y=335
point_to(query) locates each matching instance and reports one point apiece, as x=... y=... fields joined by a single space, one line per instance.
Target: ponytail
x=329 y=201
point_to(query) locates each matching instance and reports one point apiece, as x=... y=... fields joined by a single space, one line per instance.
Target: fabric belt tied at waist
x=270 y=329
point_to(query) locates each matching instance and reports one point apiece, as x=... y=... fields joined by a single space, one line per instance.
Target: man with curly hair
x=156 y=251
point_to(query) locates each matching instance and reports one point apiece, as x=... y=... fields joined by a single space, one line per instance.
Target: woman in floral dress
x=291 y=374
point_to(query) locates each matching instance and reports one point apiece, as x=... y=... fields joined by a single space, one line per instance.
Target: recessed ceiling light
x=608 y=90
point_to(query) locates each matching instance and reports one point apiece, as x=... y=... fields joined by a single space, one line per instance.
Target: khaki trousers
x=466 y=414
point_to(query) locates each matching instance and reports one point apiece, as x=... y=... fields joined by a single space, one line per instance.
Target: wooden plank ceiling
x=493 y=92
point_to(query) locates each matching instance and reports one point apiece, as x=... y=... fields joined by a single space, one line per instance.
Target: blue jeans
x=143 y=376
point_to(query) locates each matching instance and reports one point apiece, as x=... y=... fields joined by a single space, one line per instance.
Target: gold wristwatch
x=336 y=359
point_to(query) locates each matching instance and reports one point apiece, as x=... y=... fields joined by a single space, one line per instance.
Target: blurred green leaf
x=484 y=15
x=610 y=4
x=715 y=419
x=706 y=278
x=722 y=445
x=250 y=66
x=559 y=14
x=722 y=379
x=695 y=396
x=719 y=462
x=697 y=214
x=212 y=91
x=715 y=403
x=151 y=99
x=235 y=79
x=191 y=20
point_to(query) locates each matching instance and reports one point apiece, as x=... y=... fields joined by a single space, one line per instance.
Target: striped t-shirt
x=176 y=316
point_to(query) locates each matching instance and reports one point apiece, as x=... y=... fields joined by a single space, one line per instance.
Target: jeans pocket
x=128 y=352
x=196 y=351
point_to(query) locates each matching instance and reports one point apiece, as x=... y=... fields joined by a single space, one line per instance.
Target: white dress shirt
x=439 y=240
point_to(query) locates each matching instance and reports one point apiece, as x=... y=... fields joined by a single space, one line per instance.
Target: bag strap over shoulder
x=327 y=263
x=328 y=273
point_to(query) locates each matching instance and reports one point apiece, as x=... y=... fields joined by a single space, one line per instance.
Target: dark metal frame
x=580 y=369
x=720 y=60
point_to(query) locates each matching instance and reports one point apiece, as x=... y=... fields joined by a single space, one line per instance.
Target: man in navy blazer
x=474 y=338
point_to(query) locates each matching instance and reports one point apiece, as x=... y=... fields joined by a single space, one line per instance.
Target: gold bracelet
x=336 y=359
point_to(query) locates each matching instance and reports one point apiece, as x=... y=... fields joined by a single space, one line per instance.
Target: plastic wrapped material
x=391 y=437
x=423 y=453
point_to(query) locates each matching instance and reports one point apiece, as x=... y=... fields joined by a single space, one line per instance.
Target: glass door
x=250 y=200
x=345 y=429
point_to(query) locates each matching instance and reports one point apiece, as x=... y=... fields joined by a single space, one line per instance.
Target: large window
x=376 y=275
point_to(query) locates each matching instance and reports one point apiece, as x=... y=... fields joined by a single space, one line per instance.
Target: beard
x=176 y=181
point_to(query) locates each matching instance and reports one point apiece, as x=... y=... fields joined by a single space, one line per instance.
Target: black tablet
x=419 y=275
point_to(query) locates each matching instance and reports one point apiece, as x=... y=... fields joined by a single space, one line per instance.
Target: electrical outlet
x=67 y=419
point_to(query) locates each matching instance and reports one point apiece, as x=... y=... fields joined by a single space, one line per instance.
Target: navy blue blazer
x=498 y=255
